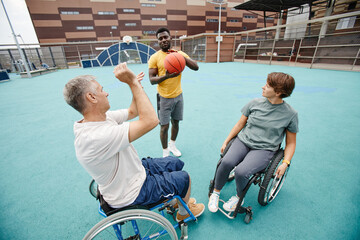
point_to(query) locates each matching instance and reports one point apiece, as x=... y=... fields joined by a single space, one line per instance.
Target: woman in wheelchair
x=257 y=136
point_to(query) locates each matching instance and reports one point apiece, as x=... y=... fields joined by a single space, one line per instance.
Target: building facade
x=57 y=21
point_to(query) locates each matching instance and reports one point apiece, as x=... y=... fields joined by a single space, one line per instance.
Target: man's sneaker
x=230 y=205
x=213 y=205
x=196 y=209
x=166 y=152
x=191 y=201
x=173 y=149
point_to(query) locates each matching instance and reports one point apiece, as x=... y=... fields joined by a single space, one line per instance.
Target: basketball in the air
x=174 y=63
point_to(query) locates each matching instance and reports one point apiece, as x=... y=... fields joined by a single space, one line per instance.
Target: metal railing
x=298 y=44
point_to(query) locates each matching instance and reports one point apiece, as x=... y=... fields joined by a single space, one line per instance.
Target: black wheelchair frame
x=269 y=183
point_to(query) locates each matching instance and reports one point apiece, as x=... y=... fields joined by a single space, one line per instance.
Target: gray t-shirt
x=266 y=124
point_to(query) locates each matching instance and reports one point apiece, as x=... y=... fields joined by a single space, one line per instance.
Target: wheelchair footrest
x=184 y=231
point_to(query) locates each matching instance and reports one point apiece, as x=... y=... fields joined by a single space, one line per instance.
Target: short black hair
x=162 y=29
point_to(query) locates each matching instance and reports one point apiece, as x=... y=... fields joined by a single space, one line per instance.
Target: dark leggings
x=247 y=162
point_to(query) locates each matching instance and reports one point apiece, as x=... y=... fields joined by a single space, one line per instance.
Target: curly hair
x=282 y=83
x=75 y=90
x=162 y=29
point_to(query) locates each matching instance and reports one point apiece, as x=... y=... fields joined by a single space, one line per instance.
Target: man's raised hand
x=124 y=74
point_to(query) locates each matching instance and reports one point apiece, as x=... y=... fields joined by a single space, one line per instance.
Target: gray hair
x=75 y=90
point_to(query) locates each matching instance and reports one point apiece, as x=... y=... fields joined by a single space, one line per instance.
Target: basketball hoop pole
x=17 y=44
x=220 y=3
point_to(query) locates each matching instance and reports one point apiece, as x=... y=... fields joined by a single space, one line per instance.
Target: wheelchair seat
x=108 y=210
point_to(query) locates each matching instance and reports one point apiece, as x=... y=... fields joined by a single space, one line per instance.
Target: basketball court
x=45 y=190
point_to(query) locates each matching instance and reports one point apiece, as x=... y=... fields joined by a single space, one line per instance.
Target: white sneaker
x=166 y=152
x=230 y=205
x=232 y=174
x=213 y=205
x=173 y=149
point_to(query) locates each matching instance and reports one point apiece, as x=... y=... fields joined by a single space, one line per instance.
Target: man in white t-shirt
x=103 y=146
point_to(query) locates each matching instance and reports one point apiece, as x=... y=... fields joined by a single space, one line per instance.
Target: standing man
x=169 y=97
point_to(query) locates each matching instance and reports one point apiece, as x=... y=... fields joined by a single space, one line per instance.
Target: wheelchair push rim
x=157 y=226
x=274 y=187
x=271 y=185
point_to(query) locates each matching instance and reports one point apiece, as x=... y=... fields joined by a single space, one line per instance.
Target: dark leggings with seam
x=247 y=162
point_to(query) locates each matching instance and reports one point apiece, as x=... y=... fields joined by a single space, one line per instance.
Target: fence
x=331 y=42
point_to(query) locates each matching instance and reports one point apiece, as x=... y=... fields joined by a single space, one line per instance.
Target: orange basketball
x=174 y=62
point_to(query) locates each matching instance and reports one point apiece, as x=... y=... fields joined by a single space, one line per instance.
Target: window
x=269 y=18
x=130 y=24
x=148 y=5
x=222 y=8
x=345 y=23
x=84 y=28
x=106 y=13
x=158 y=19
x=69 y=12
x=249 y=16
x=113 y=27
x=212 y=20
x=352 y=5
x=244 y=28
x=128 y=10
x=149 y=32
x=234 y=20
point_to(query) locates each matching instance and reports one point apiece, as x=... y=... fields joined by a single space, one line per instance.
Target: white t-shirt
x=103 y=149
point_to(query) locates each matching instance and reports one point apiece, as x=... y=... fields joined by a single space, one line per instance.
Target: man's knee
x=175 y=123
x=164 y=128
x=174 y=163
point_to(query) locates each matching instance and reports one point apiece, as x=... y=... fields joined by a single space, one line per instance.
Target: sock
x=216 y=192
x=172 y=142
x=182 y=210
x=173 y=202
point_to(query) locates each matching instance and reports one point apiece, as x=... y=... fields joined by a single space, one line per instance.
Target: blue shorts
x=164 y=179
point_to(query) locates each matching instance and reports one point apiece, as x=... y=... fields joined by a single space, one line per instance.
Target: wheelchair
x=269 y=183
x=137 y=222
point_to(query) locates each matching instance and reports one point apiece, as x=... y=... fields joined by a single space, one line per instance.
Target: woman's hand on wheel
x=281 y=170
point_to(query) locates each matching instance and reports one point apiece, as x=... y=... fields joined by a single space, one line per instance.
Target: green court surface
x=44 y=190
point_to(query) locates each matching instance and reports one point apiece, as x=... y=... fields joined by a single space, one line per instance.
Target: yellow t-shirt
x=170 y=88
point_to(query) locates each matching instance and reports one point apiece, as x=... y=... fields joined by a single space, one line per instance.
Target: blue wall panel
x=103 y=59
x=113 y=49
x=144 y=57
x=95 y=63
x=142 y=47
x=115 y=59
x=86 y=63
x=107 y=63
x=124 y=46
x=103 y=56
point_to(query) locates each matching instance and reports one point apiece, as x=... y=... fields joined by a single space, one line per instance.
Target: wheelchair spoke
x=133 y=224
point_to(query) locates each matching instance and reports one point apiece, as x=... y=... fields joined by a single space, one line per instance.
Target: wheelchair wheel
x=270 y=186
x=93 y=188
x=133 y=224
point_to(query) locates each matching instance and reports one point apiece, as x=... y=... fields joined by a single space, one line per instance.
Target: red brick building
x=98 y=20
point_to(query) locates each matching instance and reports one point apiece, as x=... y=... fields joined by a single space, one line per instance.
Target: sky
x=20 y=21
